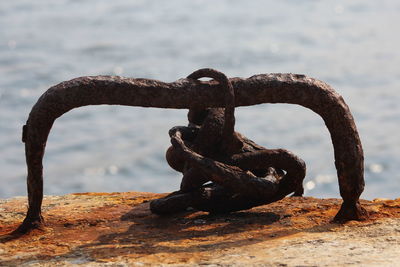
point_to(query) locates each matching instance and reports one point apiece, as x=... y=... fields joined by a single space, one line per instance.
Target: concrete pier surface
x=118 y=229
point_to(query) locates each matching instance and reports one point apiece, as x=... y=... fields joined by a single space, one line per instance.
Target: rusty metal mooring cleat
x=209 y=149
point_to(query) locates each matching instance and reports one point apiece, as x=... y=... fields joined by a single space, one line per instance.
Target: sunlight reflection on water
x=350 y=45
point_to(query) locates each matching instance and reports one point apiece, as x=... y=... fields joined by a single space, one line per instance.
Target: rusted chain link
x=214 y=152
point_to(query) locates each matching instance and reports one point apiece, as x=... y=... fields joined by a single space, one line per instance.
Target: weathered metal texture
x=190 y=94
x=243 y=174
x=234 y=187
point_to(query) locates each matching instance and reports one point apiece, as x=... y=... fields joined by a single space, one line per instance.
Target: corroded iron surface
x=196 y=95
x=244 y=174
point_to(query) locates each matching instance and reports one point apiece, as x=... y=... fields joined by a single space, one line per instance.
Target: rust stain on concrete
x=119 y=227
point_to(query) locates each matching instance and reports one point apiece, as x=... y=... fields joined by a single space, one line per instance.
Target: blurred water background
x=352 y=45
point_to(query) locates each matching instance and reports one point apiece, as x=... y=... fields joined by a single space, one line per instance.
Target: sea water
x=352 y=45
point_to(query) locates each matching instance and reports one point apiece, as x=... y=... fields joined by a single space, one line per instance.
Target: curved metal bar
x=187 y=93
x=229 y=113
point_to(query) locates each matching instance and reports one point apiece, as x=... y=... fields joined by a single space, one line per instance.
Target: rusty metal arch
x=187 y=93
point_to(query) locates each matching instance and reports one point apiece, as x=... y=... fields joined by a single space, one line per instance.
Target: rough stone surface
x=118 y=229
